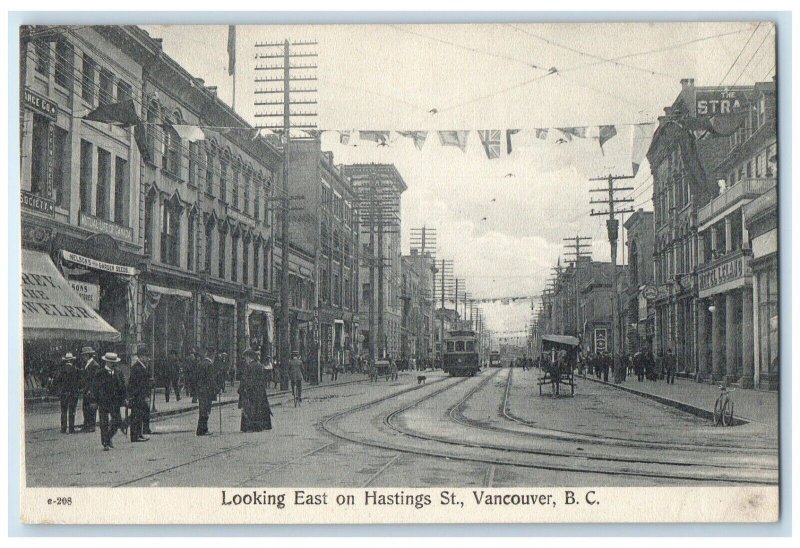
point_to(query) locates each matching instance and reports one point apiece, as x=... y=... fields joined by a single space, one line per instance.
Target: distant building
x=638 y=311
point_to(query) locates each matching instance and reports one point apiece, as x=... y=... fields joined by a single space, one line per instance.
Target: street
x=493 y=429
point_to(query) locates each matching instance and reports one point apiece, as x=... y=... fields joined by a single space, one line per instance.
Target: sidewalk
x=47 y=415
x=699 y=398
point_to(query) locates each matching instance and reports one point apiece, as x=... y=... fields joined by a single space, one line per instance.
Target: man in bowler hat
x=67 y=384
x=109 y=386
x=207 y=388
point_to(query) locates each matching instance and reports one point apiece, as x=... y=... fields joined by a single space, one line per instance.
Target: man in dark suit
x=139 y=386
x=172 y=373
x=89 y=370
x=109 y=387
x=207 y=388
x=67 y=384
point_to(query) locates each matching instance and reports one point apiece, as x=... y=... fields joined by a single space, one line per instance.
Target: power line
x=767 y=35
x=730 y=68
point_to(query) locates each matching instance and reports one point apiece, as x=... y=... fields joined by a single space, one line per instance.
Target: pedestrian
x=109 y=387
x=670 y=366
x=638 y=365
x=221 y=369
x=207 y=389
x=190 y=373
x=89 y=398
x=334 y=370
x=172 y=372
x=253 y=400
x=67 y=384
x=607 y=363
x=296 y=375
x=139 y=386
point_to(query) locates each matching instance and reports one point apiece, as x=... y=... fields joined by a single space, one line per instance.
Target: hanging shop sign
x=98 y=265
x=40 y=105
x=89 y=292
x=650 y=292
x=600 y=340
x=36 y=203
x=106 y=227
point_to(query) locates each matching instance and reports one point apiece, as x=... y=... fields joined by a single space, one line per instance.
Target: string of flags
x=495 y=142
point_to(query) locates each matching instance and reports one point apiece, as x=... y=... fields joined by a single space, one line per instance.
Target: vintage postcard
x=445 y=273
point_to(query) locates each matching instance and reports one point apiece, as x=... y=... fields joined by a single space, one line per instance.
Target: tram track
x=388 y=421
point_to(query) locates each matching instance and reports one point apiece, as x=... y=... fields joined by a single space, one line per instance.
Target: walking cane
x=219 y=406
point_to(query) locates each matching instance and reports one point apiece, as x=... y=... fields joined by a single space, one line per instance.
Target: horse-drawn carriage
x=383 y=368
x=559 y=356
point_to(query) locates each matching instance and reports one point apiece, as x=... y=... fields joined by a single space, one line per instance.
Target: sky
x=501 y=221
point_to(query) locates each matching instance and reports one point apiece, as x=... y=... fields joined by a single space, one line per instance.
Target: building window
x=223 y=180
x=39 y=154
x=266 y=275
x=194 y=153
x=61 y=167
x=149 y=207
x=246 y=262
x=221 y=254
x=87 y=79
x=366 y=294
x=42 y=50
x=246 y=189
x=86 y=177
x=64 y=63
x=124 y=91
x=768 y=320
x=209 y=173
x=235 y=188
x=235 y=257
x=170 y=231
x=106 y=87
x=152 y=127
x=209 y=245
x=336 y=291
x=103 y=197
x=191 y=242
x=171 y=150
x=257 y=201
x=121 y=191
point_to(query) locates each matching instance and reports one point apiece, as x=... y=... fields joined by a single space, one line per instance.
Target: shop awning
x=51 y=309
x=169 y=291
x=221 y=300
x=561 y=339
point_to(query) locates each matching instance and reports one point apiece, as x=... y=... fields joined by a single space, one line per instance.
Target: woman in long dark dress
x=256 y=413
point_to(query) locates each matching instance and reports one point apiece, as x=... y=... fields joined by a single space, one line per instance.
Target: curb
x=681 y=406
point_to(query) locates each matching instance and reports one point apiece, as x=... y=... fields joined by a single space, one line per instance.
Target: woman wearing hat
x=253 y=395
x=109 y=386
x=67 y=384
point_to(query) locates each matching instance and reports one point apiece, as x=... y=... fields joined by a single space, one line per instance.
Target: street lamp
x=712 y=308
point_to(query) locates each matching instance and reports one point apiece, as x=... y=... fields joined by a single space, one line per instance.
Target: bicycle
x=723 y=408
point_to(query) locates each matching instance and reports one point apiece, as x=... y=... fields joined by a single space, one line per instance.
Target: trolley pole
x=612 y=226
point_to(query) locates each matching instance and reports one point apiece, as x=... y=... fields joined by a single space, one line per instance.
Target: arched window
x=210 y=168
x=246 y=259
x=246 y=191
x=237 y=167
x=223 y=233
x=149 y=211
x=235 y=236
x=171 y=147
x=210 y=225
x=171 y=211
x=191 y=243
x=152 y=127
x=224 y=164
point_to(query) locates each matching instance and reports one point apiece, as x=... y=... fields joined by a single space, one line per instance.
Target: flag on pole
x=490 y=139
x=454 y=139
x=606 y=133
x=640 y=141
x=231 y=49
x=419 y=137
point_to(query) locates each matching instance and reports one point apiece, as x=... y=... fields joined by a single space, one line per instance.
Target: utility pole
x=445 y=287
x=423 y=240
x=612 y=226
x=579 y=253
x=280 y=52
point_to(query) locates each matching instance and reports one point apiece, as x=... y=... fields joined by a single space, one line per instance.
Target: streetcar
x=461 y=357
x=494 y=359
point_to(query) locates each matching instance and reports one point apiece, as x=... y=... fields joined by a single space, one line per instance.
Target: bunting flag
x=522 y=138
x=726 y=124
x=419 y=137
x=570 y=132
x=188 y=133
x=344 y=137
x=231 y=49
x=606 y=133
x=140 y=136
x=640 y=142
x=454 y=139
x=380 y=137
x=490 y=139
x=541 y=133
x=121 y=114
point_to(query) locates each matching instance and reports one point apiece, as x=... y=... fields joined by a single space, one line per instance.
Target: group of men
x=105 y=392
x=643 y=364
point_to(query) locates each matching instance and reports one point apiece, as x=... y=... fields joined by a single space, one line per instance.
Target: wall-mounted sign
x=37 y=203
x=89 y=292
x=720 y=276
x=98 y=265
x=650 y=292
x=40 y=105
x=107 y=227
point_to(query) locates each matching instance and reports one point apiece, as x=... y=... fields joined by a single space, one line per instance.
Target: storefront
x=219 y=323
x=260 y=325
x=55 y=320
x=167 y=324
x=761 y=217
